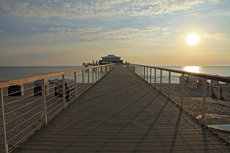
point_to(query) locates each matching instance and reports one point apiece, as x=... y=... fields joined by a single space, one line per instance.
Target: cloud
x=214 y=1
x=219 y=37
x=165 y=33
x=90 y=34
x=96 y=8
x=48 y=54
x=2 y=31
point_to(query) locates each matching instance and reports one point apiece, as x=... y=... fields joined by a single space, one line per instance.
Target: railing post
x=169 y=84
x=98 y=72
x=63 y=91
x=44 y=101
x=182 y=90
x=138 y=70
x=92 y=76
x=161 y=80
x=147 y=73
x=144 y=72
x=83 y=80
x=155 y=77
x=150 y=76
x=75 y=84
x=88 y=79
x=204 y=100
x=101 y=72
x=4 y=145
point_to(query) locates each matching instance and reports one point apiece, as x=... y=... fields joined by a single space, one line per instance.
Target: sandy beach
x=216 y=110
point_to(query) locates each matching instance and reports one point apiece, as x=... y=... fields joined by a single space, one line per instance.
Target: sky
x=148 y=32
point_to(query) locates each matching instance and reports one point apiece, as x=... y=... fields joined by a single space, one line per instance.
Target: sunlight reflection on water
x=192 y=69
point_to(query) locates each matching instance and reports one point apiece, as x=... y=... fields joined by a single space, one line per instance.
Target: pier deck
x=122 y=113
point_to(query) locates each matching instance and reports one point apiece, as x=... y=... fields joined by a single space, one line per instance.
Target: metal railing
x=29 y=103
x=204 y=96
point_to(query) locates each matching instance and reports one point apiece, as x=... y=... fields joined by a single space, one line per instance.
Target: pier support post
x=63 y=91
x=204 y=100
x=75 y=84
x=44 y=101
x=4 y=145
x=182 y=91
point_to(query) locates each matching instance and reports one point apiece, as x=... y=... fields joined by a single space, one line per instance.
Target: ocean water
x=14 y=72
x=213 y=70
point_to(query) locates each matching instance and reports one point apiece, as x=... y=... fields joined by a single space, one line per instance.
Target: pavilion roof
x=111 y=56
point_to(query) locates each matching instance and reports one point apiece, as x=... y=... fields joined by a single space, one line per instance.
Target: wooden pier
x=122 y=113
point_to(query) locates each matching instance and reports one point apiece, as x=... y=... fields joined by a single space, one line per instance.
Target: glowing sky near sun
x=61 y=32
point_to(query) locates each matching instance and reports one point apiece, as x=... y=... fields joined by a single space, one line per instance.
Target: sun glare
x=193 y=39
x=192 y=69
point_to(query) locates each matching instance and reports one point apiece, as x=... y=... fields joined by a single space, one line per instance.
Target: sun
x=193 y=39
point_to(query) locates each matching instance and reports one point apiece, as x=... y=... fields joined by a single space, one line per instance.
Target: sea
x=15 y=72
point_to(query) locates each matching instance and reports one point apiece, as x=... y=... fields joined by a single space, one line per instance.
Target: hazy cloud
x=96 y=8
x=219 y=37
x=33 y=29
x=89 y=34
x=50 y=54
x=2 y=31
x=214 y=1
x=165 y=33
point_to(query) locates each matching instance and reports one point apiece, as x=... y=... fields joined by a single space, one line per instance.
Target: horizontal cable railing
x=29 y=103
x=204 y=96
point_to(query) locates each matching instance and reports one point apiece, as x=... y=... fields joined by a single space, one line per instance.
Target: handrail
x=203 y=75
x=186 y=92
x=43 y=76
x=13 y=110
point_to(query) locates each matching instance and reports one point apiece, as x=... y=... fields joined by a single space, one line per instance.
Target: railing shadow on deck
x=206 y=97
x=29 y=103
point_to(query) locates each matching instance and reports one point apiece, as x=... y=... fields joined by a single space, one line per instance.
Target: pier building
x=110 y=59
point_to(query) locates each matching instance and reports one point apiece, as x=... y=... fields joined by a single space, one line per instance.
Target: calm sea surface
x=214 y=70
x=11 y=72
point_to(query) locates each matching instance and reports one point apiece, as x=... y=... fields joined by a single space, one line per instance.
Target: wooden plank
x=122 y=113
